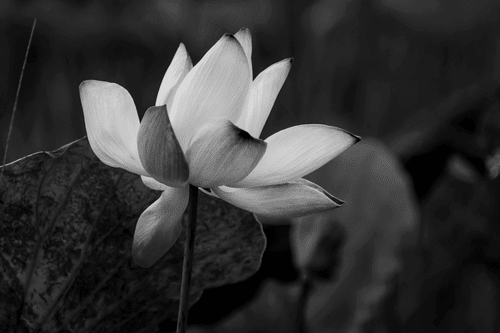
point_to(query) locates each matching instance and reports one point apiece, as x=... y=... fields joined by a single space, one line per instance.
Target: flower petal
x=159 y=226
x=217 y=87
x=297 y=151
x=208 y=191
x=179 y=67
x=153 y=184
x=222 y=154
x=264 y=90
x=297 y=198
x=112 y=124
x=245 y=38
x=159 y=150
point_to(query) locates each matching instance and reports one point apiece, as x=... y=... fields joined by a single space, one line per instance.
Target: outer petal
x=179 y=67
x=264 y=90
x=159 y=226
x=297 y=151
x=159 y=150
x=222 y=154
x=153 y=184
x=245 y=38
x=217 y=87
x=293 y=199
x=112 y=124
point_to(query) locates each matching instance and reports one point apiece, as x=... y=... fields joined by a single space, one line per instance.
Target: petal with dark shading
x=222 y=154
x=159 y=151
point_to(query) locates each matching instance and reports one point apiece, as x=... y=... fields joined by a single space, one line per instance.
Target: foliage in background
x=66 y=238
x=379 y=220
x=360 y=244
x=390 y=69
x=364 y=69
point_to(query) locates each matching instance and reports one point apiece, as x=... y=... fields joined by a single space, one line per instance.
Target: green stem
x=187 y=266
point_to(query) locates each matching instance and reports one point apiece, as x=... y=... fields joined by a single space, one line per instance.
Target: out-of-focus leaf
x=66 y=229
x=457 y=260
x=379 y=213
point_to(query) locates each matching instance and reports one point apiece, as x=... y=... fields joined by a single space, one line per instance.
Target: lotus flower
x=204 y=130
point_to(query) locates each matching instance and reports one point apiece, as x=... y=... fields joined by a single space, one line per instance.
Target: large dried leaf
x=66 y=229
x=379 y=212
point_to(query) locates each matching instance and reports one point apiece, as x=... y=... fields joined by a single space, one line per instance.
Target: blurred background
x=421 y=77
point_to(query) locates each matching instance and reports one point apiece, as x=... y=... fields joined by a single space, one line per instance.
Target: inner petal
x=217 y=87
x=222 y=154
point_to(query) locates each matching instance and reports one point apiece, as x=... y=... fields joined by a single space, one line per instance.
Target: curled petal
x=264 y=90
x=112 y=124
x=179 y=67
x=159 y=150
x=297 y=151
x=222 y=154
x=245 y=38
x=159 y=226
x=297 y=198
x=217 y=87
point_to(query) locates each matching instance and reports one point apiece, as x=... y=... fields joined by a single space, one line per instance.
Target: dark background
x=364 y=65
x=422 y=76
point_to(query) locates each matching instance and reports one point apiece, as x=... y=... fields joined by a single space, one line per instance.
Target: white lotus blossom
x=204 y=130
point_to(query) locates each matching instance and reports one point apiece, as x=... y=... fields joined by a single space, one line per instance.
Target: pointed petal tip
x=245 y=39
x=297 y=198
x=288 y=61
x=243 y=31
x=179 y=67
x=297 y=151
x=231 y=38
x=217 y=87
x=335 y=200
x=357 y=138
x=182 y=48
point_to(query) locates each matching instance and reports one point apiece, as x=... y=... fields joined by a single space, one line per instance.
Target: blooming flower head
x=204 y=130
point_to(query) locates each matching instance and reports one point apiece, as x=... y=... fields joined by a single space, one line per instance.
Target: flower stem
x=187 y=266
x=305 y=291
